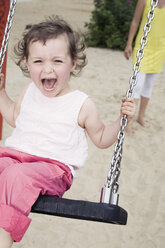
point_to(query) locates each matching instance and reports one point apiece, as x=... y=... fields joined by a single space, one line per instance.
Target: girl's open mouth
x=49 y=83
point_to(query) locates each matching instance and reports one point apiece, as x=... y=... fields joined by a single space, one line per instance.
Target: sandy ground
x=142 y=184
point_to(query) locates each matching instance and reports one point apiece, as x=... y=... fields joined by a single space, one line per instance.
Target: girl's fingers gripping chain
x=128 y=107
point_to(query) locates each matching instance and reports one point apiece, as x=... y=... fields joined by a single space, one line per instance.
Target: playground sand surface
x=142 y=181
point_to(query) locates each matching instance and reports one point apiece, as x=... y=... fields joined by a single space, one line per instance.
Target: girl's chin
x=49 y=93
x=53 y=92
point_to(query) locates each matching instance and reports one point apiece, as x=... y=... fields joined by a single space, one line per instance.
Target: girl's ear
x=26 y=61
x=74 y=64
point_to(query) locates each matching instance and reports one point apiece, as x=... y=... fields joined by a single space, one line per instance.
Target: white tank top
x=48 y=127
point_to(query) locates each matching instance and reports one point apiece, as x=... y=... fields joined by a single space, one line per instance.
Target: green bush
x=109 y=24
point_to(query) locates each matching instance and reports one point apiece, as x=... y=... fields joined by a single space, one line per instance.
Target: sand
x=142 y=184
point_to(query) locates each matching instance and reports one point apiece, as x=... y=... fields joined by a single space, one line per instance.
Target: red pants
x=22 y=178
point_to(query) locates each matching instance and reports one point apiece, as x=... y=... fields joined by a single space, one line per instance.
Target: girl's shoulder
x=23 y=92
x=88 y=109
x=20 y=99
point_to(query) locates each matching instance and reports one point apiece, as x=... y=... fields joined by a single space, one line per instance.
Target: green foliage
x=109 y=24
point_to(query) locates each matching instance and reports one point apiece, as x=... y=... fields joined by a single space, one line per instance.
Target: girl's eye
x=58 y=61
x=37 y=61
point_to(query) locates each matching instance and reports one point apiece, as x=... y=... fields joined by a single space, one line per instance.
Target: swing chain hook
x=7 y=33
x=109 y=191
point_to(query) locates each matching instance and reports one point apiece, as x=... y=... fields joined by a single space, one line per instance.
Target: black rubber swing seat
x=78 y=209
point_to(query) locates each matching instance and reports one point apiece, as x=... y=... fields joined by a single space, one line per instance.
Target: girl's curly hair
x=49 y=29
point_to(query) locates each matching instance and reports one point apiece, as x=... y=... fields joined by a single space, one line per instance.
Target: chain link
x=7 y=33
x=114 y=171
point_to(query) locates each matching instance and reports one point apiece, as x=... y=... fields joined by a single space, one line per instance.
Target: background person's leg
x=145 y=97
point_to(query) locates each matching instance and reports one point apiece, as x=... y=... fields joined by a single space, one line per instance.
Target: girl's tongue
x=49 y=84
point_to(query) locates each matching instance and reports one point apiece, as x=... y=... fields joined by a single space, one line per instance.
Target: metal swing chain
x=7 y=33
x=109 y=192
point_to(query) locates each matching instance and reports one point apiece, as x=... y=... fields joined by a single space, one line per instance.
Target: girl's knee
x=12 y=182
x=17 y=189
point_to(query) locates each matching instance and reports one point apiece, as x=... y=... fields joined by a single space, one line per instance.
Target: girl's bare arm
x=102 y=135
x=8 y=108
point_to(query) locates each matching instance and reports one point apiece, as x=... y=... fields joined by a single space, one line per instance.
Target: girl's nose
x=48 y=68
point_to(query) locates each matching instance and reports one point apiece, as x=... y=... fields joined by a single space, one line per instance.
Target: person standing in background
x=154 y=54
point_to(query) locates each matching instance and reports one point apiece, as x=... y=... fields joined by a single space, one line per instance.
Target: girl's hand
x=128 y=51
x=128 y=107
x=2 y=81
